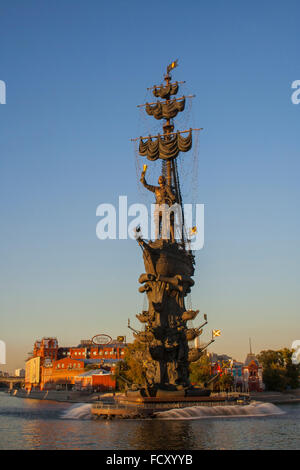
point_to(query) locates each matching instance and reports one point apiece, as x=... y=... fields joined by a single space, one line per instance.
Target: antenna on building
x=250 y=345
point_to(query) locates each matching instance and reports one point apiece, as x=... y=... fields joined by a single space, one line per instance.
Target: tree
x=119 y=376
x=132 y=369
x=279 y=373
x=225 y=382
x=200 y=371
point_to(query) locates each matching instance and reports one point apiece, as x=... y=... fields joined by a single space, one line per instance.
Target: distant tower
x=250 y=356
x=252 y=372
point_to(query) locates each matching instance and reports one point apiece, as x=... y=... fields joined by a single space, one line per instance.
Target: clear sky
x=74 y=71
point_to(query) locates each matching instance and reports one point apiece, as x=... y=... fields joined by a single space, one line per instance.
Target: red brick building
x=54 y=367
x=60 y=374
x=46 y=348
x=99 y=380
x=253 y=375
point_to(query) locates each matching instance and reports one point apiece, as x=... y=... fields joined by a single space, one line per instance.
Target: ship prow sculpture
x=169 y=262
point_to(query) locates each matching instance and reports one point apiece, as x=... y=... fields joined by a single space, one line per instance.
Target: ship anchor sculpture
x=169 y=262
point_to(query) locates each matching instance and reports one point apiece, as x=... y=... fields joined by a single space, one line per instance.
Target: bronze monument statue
x=164 y=197
x=169 y=263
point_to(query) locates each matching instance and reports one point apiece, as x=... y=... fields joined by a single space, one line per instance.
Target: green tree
x=279 y=373
x=225 y=382
x=132 y=369
x=200 y=371
x=120 y=376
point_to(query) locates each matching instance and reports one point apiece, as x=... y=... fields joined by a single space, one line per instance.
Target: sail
x=165 y=91
x=165 y=110
x=165 y=148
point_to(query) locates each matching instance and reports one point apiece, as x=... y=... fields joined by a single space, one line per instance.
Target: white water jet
x=204 y=412
x=78 y=411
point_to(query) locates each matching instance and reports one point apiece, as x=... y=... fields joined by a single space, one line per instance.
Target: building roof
x=68 y=358
x=92 y=372
x=100 y=361
x=108 y=345
x=251 y=357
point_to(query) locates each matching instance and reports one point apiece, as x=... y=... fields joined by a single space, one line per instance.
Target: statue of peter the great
x=164 y=197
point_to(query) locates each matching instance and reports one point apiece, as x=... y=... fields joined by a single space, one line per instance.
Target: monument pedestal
x=134 y=407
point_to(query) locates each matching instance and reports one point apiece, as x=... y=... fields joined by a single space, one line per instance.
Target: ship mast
x=168 y=128
x=171 y=165
x=168 y=145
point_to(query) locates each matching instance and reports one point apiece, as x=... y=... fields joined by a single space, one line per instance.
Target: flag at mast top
x=172 y=65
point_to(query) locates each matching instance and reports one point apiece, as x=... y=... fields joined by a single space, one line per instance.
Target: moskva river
x=34 y=424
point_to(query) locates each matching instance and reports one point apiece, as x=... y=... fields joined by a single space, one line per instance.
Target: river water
x=34 y=424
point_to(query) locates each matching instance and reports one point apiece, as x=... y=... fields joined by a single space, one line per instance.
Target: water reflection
x=153 y=435
x=137 y=435
x=26 y=424
x=48 y=435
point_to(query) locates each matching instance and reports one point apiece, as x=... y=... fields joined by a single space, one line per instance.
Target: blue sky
x=75 y=71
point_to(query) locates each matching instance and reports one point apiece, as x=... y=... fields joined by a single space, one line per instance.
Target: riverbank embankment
x=63 y=396
x=277 y=398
